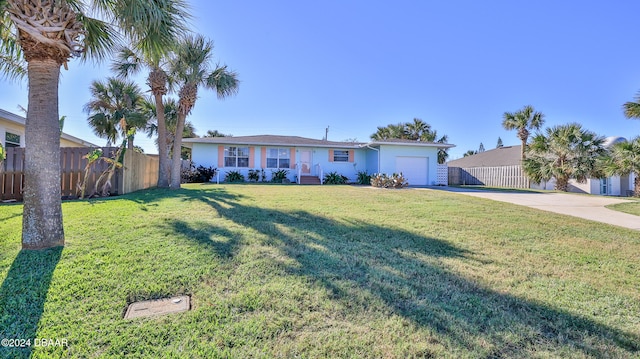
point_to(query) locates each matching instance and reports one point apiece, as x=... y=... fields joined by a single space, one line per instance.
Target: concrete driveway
x=582 y=206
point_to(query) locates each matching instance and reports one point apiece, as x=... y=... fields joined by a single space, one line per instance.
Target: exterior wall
x=6 y=126
x=388 y=154
x=67 y=143
x=372 y=161
x=12 y=127
x=587 y=187
x=208 y=155
x=323 y=158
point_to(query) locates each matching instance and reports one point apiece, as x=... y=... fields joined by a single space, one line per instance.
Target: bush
x=385 y=181
x=335 y=178
x=187 y=174
x=200 y=174
x=234 y=176
x=363 y=178
x=204 y=174
x=279 y=176
x=254 y=175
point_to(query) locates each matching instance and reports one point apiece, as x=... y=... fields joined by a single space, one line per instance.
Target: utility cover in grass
x=162 y=306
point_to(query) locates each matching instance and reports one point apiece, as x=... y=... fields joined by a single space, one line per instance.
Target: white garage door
x=414 y=169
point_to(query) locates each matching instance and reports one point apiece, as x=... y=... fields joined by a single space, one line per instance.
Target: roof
x=270 y=140
x=12 y=117
x=501 y=156
x=405 y=142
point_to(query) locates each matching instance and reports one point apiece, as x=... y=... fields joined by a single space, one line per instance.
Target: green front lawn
x=629 y=207
x=322 y=271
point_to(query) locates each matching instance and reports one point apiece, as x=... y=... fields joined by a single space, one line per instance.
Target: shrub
x=335 y=178
x=187 y=174
x=383 y=180
x=200 y=174
x=254 y=175
x=279 y=176
x=234 y=176
x=204 y=174
x=363 y=178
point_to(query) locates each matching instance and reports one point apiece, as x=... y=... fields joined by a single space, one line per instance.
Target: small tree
x=524 y=121
x=564 y=152
x=624 y=159
x=499 y=144
x=91 y=157
x=469 y=153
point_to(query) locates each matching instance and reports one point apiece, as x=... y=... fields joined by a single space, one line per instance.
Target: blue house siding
x=207 y=155
x=418 y=161
x=390 y=153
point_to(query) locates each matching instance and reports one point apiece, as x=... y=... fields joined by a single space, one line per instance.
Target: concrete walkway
x=582 y=206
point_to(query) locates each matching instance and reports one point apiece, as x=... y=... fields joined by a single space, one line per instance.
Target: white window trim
x=236 y=157
x=277 y=158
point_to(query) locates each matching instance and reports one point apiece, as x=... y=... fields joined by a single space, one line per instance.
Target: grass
x=322 y=271
x=629 y=207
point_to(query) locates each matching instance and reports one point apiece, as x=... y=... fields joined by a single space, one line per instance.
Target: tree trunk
x=163 y=152
x=42 y=213
x=176 y=163
x=562 y=184
x=636 y=186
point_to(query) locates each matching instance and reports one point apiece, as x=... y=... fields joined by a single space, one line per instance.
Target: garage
x=414 y=169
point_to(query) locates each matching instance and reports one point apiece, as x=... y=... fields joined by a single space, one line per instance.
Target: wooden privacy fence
x=502 y=176
x=140 y=171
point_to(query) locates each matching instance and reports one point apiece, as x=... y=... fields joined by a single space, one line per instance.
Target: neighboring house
x=502 y=165
x=307 y=160
x=12 y=133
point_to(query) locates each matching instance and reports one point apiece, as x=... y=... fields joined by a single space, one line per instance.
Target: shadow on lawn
x=22 y=297
x=406 y=272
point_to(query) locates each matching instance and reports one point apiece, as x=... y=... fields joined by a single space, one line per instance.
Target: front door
x=604 y=186
x=305 y=162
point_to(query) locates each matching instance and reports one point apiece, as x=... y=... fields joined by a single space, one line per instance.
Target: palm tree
x=190 y=69
x=524 y=121
x=129 y=62
x=417 y=130
x=624 y=159
x=632 y=109
x=389 y=132
x=171 y=118
x=564 y=152
x=216 y=133
x=49 y=33
x=111 y=102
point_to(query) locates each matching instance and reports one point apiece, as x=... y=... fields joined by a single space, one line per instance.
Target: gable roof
x=12 y=117
x=276 y=140
x=501 y=156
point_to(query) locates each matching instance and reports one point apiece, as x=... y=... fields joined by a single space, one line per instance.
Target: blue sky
x=355 y=65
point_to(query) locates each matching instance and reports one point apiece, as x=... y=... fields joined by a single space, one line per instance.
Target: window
x=278 y=158
x=11 y=140
x=340 y=156
x=236 y=156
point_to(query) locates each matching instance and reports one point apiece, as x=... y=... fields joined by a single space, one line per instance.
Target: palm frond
x=632 y=109
x=100 y=38
x=12 y=64
x=224 y=81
